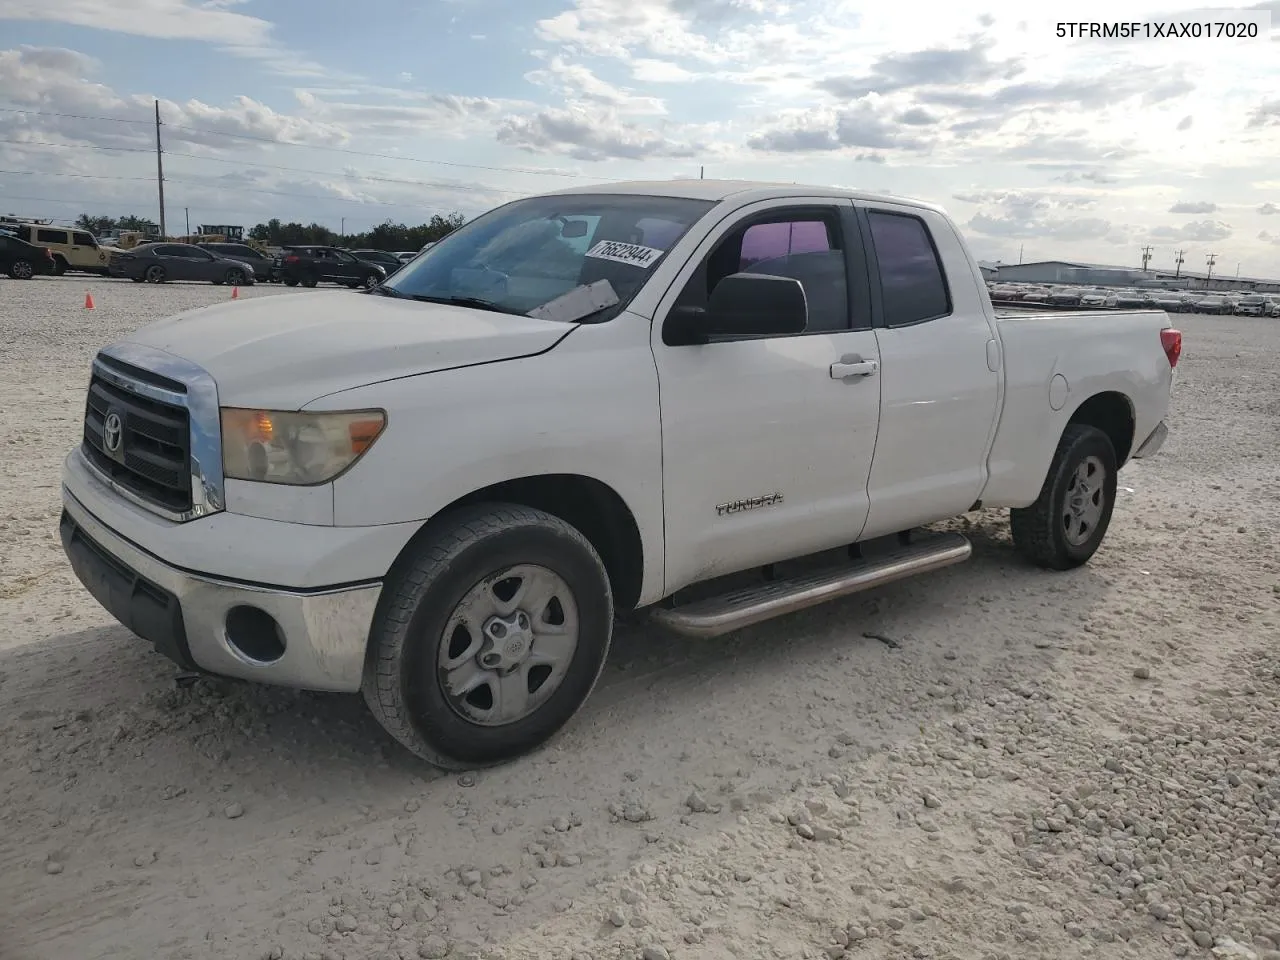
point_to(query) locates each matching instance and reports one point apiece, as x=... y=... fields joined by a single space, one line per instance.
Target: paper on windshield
x=577 y=303
x=619 y=252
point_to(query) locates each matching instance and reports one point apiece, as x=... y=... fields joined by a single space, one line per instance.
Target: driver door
x=768 y=442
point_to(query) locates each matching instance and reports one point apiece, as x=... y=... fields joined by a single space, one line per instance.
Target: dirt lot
x=992 y=762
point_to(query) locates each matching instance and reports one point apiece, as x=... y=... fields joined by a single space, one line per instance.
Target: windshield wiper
x=478 y=302
x=382 y=291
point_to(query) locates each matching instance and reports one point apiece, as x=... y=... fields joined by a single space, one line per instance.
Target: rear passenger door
x=768 y=441
x=939 y=365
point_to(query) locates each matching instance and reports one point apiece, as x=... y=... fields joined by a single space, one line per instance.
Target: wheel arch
x=1112 y=413
x=591 y=506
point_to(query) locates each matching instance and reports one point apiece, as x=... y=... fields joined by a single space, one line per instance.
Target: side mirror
x=743 y=305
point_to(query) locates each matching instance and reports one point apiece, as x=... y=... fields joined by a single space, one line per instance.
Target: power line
x=252 y=163
x=80 y=176
x=313 y=146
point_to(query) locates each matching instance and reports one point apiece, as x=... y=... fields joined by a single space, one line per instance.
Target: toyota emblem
x=112 y=433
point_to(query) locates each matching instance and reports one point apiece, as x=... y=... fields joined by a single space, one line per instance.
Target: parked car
x=311 y=264
x=1212 y=305
x=1169 y=303
x=1065 y=297
x=71 y=249
x=388 y=261
x=406 y=255
x=1251 y=306
x=454 y=526
x=1134 y=301
x=427 y=246
x=1036 y=295
x=264 y=267
x=1099 y=299
x=161 y=262
x=22 y=260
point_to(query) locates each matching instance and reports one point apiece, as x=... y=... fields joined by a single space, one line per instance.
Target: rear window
x=913 y=287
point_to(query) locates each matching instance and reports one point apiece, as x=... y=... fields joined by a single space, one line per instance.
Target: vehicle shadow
x=94 y=726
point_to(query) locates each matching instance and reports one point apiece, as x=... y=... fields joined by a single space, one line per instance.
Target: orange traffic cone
x=88 y=300
x=235 y=293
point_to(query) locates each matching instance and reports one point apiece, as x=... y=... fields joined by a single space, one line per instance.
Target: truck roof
x=744 y=190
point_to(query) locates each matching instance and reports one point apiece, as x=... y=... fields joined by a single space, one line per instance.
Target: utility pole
x=1020 y=246
x=1178 y=265
x=342 y=230
x=701 y=172
x=1146 y=258
x=160 y=172
x=1210 y=260
x=187 y=211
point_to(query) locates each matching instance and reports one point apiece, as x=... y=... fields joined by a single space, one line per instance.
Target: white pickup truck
x=646 y=397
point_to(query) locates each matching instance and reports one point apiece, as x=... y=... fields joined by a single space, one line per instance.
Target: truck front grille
x=142 y=443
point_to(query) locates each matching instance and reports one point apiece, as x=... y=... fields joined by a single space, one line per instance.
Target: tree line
x=385 y=236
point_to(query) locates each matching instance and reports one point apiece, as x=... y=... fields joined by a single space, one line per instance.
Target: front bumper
x=198 y=621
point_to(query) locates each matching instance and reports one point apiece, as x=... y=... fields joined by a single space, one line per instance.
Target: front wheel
x=490 y=636
x=234 y=277
x=309 y=283
x=59 y=266
x=22 y=270
x=371 y=280
x=1066 y=524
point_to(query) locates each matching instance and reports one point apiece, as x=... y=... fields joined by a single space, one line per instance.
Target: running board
x=742 y=608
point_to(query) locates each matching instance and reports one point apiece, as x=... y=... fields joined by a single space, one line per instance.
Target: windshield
x=525 y=254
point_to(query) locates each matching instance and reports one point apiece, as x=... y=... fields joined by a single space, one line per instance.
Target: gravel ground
x=991 y=762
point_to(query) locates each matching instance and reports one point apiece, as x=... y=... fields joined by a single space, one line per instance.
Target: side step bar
x=742 y=608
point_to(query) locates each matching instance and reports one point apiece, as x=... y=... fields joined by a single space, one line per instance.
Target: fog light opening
x=254 y=635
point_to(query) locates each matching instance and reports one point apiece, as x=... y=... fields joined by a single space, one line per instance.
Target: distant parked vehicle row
x=161 y=262
x=263 y=266
x=1170 y=301
x=70 y=249
x=22 y=260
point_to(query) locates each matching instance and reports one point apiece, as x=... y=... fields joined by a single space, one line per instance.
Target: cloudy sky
x=404 y=108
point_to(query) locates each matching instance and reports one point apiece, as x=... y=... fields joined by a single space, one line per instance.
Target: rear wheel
x=1066 y=524
x=489 y=637
x=290 y=282
x=309 y=283
x=155 y=274
x=22 y=270
x=235 y=277
x=59 y=266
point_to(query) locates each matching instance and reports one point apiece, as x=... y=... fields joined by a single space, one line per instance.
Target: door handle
x=853 y=367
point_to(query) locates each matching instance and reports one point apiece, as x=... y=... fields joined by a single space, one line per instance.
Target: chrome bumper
x=319 y=637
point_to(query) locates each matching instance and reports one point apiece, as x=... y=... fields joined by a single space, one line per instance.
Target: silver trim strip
x=716 y=616
x=208 y=494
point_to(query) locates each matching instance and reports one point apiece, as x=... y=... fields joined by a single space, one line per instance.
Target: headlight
x=273 y=446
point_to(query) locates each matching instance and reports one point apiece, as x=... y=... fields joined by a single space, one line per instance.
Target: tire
x=59 y=266
x=1050 y=533
x=22 y=270
x=290 y=282
x=234 y=277
x=309 y=283
x=370 y=281
x=155 y=274
x=421 y=623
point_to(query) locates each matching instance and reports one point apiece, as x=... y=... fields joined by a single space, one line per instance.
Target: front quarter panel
x=588 y=406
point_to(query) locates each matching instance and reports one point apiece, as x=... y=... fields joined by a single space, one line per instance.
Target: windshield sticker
x=620 y=252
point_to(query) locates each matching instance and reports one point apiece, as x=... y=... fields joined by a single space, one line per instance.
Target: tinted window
x=51 y=236
x=806 y=248
x=83 y=240
x=8 y=243
x=912 y=285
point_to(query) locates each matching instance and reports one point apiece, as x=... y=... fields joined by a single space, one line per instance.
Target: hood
x=281 y=352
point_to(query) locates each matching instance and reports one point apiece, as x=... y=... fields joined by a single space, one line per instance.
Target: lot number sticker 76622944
x=620 y=252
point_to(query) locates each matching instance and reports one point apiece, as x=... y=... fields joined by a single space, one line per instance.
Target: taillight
x=1171 y=340
x=290 y=259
